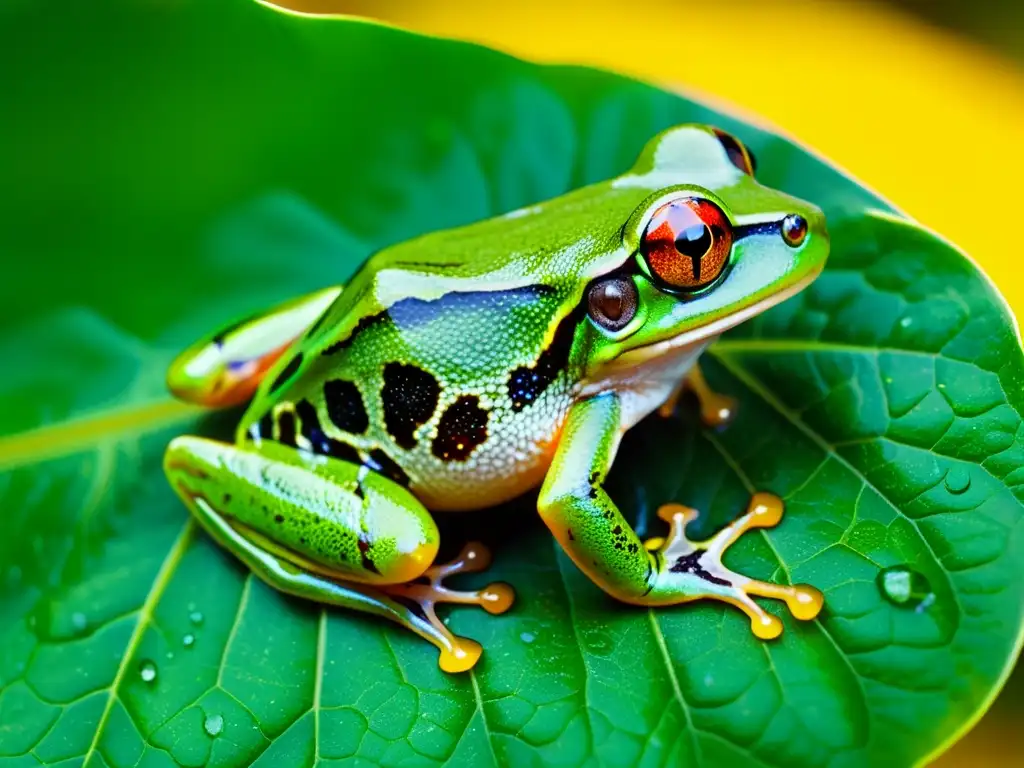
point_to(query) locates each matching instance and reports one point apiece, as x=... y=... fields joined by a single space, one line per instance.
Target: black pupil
x=694 y=241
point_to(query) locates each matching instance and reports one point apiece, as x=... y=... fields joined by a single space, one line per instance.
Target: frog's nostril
x=794 y=229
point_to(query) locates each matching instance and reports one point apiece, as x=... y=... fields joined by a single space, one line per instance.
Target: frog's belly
x=513 y=459
x=644 y=386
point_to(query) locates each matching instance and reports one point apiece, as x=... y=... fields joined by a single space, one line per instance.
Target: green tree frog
x=465 y=367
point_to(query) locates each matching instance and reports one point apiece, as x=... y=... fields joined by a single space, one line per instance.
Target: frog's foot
x=716 y=410
x=423 y=594
x=699 y=565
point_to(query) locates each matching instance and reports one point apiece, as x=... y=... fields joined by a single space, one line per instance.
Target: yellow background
x=930 y=120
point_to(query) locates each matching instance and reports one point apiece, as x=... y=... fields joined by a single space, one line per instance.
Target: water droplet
x=958 y=480
x=213 y=725
x=196 y=618
x=78 y=621
x=905 y=587
x=147 y=671
x=170 y=654
x=526 y=637
x=905 y=322
x=188 y=640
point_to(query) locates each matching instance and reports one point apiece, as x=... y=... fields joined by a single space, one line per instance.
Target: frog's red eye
x=687 y=243
x=738 y=154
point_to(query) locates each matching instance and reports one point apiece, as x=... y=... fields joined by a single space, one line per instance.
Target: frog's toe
x=461 y=656
x=717 y=410
x=495 y=598
x=473 y=558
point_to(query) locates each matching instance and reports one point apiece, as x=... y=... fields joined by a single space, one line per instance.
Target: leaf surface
x=192 y=162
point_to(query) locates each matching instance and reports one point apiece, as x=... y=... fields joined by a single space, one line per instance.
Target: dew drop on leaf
x=957 y=480
x=526 y=637
x=188 y=640
x=213 y=725
x=196 y=618
x=905 y=587
x=79 y=621
x=147 y=671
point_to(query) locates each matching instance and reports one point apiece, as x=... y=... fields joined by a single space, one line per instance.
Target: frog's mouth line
x=704 y=333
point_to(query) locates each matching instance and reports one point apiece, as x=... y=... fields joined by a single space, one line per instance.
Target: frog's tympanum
x=465 y=367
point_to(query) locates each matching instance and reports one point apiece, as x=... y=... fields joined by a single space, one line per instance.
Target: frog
x=469 y=366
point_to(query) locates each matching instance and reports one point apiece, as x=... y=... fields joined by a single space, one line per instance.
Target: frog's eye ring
x=612 y=302
x=687 y=243
x=737 y=152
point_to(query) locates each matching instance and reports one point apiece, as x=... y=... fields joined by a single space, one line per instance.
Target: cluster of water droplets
x=213 y=724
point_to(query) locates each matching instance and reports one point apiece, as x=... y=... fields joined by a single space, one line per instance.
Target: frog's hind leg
x=716 y=410
x=332 y=532
x=225 y=368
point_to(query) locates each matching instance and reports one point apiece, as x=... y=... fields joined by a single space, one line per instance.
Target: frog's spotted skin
x=409 y=397
x=464 y=367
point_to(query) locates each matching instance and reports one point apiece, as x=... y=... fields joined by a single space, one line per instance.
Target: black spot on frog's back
x=462 y=428
x=409 y=398
x=319 y=441
x=528 y=382
x=345 y=406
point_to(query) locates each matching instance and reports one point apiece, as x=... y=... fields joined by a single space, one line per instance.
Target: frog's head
x=709 y=248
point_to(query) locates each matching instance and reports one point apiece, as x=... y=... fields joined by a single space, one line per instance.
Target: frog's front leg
x=716 y=409
x=225 y=368
x=332 y=532
x=673 y=570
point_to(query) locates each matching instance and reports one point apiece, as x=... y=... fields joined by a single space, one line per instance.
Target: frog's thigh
x=593 y=532
x=329 y=517
x=225 y=368
x=238 y=496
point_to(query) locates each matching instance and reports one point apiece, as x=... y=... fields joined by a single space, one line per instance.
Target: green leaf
x=171 y=166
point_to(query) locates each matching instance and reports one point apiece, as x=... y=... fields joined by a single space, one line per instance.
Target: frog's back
x=457 y=396
x=448 y=362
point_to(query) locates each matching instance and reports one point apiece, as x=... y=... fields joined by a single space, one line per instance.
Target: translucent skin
x=465 y=367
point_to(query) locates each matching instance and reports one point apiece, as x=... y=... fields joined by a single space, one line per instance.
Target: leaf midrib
x=52 y=441
x=156 y=591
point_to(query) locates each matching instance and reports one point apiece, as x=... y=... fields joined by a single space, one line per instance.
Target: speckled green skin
x=463 y=366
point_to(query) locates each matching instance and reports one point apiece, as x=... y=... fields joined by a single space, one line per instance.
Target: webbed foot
x=699 y=564
x=421 y=595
